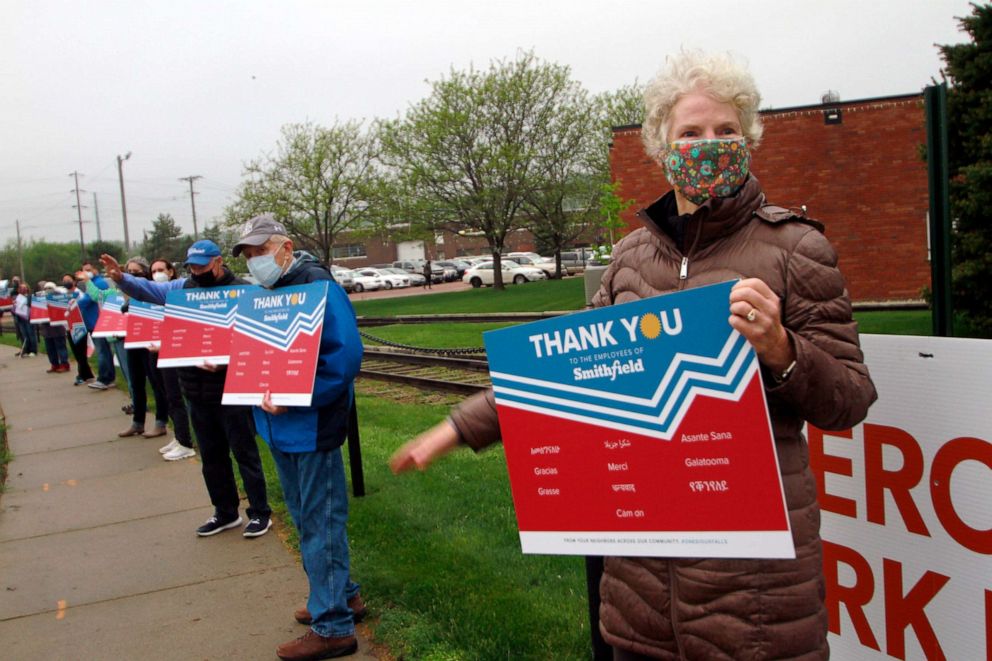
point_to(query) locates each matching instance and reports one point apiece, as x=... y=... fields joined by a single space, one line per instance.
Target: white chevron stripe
x=673 y=369
x=663 y=434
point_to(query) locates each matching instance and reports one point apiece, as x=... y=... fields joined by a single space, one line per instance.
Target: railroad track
x=464 y=376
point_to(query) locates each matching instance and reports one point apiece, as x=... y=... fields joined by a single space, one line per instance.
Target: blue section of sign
x=278 y=317
x=216 y=306
x=146 y=310
x=114 y=303
x=637 y=366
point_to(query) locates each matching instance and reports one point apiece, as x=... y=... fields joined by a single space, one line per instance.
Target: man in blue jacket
x=306 y=445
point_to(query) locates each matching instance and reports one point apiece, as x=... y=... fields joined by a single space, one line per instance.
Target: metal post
x=192 y=203
x=96 y=213
x=935 y=98
x=20 y=253
x=355 y=453
x=120 y=177
x=79 y=212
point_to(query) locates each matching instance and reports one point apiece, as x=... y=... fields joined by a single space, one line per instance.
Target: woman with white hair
x=790 y=303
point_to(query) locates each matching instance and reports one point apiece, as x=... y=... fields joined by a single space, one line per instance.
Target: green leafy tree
x=320 y=182
x=96 y=248
x=468 y=153
x=968 y=69
x=42 y=260
x=225 y=238
x=165 y=240
x=575 y=197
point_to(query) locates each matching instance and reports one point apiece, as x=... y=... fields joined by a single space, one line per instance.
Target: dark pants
x=29 y=339
x=57 y=353
x=220 y=431
x=177 y=405
x=141 y=365
x=83 y=370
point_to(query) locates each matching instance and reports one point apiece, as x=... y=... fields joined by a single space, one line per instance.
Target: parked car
x=513 y=273
x=457 y=264
x=538 y=262
x=343 y=277
x=389 y=280
x=417 y=266
x=416 y=279
x=576 y=259
x=366 y=282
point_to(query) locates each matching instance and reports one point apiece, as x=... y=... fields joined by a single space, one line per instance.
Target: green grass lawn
x=543 y=296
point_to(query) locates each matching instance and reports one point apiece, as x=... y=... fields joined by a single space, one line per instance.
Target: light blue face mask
x=265 y=269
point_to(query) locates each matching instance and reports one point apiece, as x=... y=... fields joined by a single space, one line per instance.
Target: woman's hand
x=421 y=451
x=755 y=313
x=269 y=407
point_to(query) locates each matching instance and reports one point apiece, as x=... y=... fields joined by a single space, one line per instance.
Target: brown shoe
x=312 y=646
x=131 y=431
x=356 y=605
x=156 y=431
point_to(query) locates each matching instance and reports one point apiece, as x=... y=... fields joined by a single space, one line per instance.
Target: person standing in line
x=180 y=447
x=141 y=365
x=58 y=354
x=90 y=302
x=22 y=315
x=306 y=444
x=220 y=430
x=84 y=373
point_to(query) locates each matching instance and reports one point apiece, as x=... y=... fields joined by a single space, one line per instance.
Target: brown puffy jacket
x=676 y=608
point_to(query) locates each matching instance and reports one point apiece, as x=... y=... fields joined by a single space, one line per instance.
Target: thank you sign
x=275 y=345
x=198 y=326
x=639 y=429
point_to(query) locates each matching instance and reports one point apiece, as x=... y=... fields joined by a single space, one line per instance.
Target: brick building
x=856 y=165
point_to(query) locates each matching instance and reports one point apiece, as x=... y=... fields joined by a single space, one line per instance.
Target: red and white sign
x=58 y=309
x=144 y=325
x=39 y=309
x=639 y=430
x=198 y=326
x=111 y=322
x=906 y=500
x=275 y=345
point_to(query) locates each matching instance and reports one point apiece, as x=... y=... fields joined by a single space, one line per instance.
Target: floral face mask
x=703 y=169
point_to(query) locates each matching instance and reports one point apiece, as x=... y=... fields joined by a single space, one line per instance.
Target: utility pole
x=120 y=177
x=79 y=211
x=20 y=254
x=191 y=179
x=96 y=213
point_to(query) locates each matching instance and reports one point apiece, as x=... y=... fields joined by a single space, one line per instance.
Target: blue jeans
x=105 y=372
x=29 y=339
x=317 y=498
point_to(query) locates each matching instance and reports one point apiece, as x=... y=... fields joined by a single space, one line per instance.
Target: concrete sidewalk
x=98 y=554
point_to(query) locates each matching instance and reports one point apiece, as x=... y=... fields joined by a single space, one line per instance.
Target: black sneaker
x=215 y=525
x=257 y=527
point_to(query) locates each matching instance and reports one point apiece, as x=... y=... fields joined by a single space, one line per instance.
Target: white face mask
x=160 y=276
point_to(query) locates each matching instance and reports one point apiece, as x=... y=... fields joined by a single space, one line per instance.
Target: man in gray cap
x=306 y=445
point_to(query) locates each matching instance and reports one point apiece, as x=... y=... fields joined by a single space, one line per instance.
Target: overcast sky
x=200 y=87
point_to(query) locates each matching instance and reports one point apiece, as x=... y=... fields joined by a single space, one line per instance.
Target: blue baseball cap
x=201 y=252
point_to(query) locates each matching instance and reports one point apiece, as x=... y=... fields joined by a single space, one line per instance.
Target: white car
x=366 y=282
x=389 y=280
x=416 y=280
x=538 y=262
x=513 y=273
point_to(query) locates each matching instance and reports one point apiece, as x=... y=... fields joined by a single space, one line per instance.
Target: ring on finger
x=752 y=315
